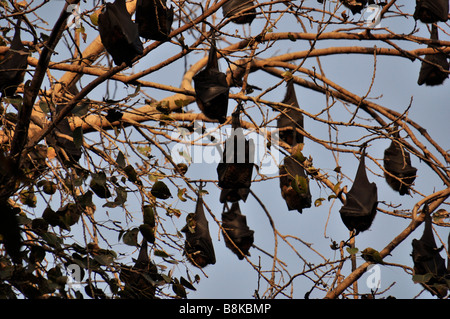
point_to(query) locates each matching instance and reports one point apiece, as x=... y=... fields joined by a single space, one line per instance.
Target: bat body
x=239 y=11
x=13 y=65
x=235 y=225
x=294 y=185
x=119 y=34
x=431 y=74
x=427 y=259
x=360 y=207
x=236 y=168
x=290 y=118
x=140 y=279
x=355 y=6
x=62 y=143
x=154 y=19
x=211 y=89
x=198 y=244
x=398 y=162
x=10 y=231
x=431 y=11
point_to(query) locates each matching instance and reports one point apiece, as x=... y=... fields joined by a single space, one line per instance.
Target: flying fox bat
x=13 y=65
x=360 y=207
x=198 y=244
x=397 y=162
x=119 y=34
x=294 y=185
x=290 y=118
x=431 y=11
x=427 y=259
x=239 y=11
x=61 y=143
x=236 y=168
x=431 y=74
x=355 y=6
x=140 y=279
x=154 y=19
x=235 y=225
x=211 y=88
x=10 y=231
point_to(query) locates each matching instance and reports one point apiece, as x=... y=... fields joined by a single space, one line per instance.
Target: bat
x=355 y=6
x=13 y=65
x=431 y=11
x=119 y=34
x=198 y=244
x=398 y=163
x=140 y=280
x=62 y=144
x=240 y=11
x=235 y=225
x=10 y=231
x=294 y=185
x=432 y=74
x=154 y=19
x=236 y=168
x=290 y=119
x=427 y=259
x=211 y=88
x=360 y=206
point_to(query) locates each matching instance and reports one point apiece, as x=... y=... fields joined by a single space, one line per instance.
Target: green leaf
x=131 y=174
x=80 y=109
x=130 y=237
x=352 y=251
x=94 y=18
x=181 y=193
x=161 y=253
x=422 y=279
x=148 y=232
x=44 y=107
x=160 y=190
x=336 y=187
x=291 y=37
x=371 y=255
x=27 y=197
x=318 y=202
x=186 y=283
x=121 y=160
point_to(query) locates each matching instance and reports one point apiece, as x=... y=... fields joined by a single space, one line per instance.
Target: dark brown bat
x=290 y=118
x=10 y=231
x=427 y=259
x=431 y=74
x=235 y=225
x=119 y=34
x=198 y=245
x=240 y=11
x=211 y=88
x=140 y=280
x=397 y=162
x=13 y=65
x=236 y=168
x=61 y=143
x=431 y=11
x=361 y=203
x=294 y=185
x=154 y=19
x=355 y=6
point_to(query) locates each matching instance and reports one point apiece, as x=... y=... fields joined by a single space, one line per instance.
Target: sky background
x=395 y=87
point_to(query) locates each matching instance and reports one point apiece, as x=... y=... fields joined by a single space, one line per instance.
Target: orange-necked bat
x=13 y=65
x=211 y=88
x=290 y=119
x=154 y=19
x=355 y=6
x=432 y=74
x=427 y=259
x=235 y=225
x=294 y=185
x=236 y=168
x=431 y=11
x=240 y=11
x=198 y=244
x=119 y=34
x=140 y=280
x=397 y=161
x=361 y=203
